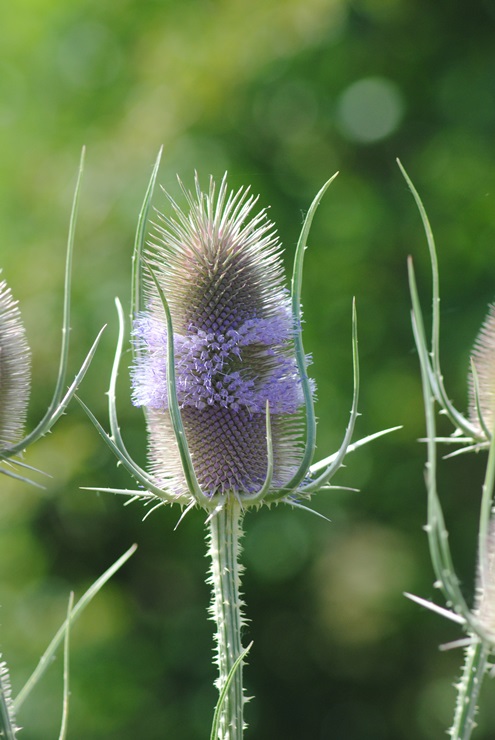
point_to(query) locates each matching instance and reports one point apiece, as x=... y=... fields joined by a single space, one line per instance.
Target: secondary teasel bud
x=15 y=369
x=483 y=357
x=221 y=272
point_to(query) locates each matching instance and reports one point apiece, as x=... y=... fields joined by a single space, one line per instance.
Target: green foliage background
x=268 y=90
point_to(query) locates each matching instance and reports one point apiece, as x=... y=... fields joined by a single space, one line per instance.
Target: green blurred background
x=281 y=93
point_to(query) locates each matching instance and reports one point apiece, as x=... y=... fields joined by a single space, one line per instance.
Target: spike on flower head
x=483 y=356
x=15 y=369
x=220 y=269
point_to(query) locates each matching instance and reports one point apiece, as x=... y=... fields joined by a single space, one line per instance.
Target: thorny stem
x=479 y=643
x=468 y=690
x=225 y=531
x=7 y=719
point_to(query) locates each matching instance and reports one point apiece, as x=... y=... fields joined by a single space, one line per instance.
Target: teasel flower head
x=482 y=377
x=15 y=369
x=219 y=364
x=221 y=271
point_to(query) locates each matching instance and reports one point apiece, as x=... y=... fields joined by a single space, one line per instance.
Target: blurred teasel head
x=482 y=379
x=15 y=369
x=220 y=269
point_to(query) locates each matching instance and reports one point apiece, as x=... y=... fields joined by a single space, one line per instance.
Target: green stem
x=468 y=690
x=7 y=718
x=225 y=531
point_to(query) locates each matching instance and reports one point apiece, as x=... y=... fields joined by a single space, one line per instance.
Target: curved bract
x=472 y=431
x=15 y=369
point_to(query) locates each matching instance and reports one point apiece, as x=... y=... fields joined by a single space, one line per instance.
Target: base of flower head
x=228 y=449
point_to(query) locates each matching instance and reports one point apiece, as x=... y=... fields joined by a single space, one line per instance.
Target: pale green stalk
x=65 y=703
x=480 y=637
x=225 y=511
x=468 y=688
x=8 y=725
x=224 y=533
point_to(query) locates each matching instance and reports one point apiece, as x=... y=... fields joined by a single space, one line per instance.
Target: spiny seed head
x=220 y=269
x=15 y=369
x=483 y=356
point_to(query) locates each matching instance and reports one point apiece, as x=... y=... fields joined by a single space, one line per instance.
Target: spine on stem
x=225 y=531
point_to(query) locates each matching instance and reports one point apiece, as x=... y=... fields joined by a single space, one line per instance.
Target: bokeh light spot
x=89 y=56
x=370 y=110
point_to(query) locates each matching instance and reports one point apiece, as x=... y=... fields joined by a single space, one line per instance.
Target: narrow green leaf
x=223 y=694
x=49 y=653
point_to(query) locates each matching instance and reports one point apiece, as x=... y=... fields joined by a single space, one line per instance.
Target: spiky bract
x=220 y=269
x=15 y=369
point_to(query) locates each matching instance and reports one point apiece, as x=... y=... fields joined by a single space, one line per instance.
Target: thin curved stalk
x=342 y=452
x=260 y=496
x=296 y=288
x=114 y=440
x=436 y=530
x=112 y=393
x=137 y=265
x=22 y=478
x=434 y=368
x=351 y=448
x=141 y=477
x=54 y=409
x=173 y=405
x=65 y=703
